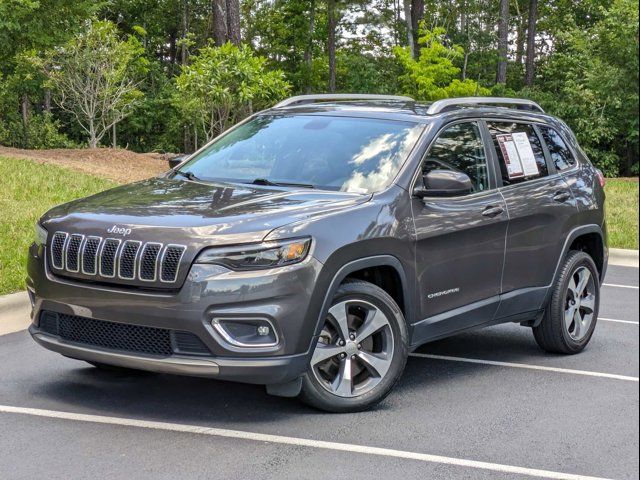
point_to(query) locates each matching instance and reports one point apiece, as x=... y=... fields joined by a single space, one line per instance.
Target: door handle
x=561 y=196
x=492 y=211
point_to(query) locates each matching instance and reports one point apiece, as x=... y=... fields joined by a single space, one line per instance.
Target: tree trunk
x=464 y=29
x=172 y=52
x=233 y=21
x=24 y=110
x=47 y=100
x=409 y=24
x=219 y=22
x=465 y=64
x=503 y=38
x=531 y=43
x=114 y=141
x=93 y=139
x=331 y=44
x=308 y=51
x=417 y=14
x=185 y=31
x=520 y=38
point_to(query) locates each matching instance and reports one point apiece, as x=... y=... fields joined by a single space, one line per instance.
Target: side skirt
x=519 y=306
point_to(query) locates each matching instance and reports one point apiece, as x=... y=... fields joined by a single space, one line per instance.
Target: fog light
x=246 y=332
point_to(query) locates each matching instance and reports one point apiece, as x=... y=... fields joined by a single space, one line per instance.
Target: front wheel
x=361 y=352
x=572 y=313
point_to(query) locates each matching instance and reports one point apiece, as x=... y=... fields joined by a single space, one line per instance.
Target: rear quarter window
x=560 y=153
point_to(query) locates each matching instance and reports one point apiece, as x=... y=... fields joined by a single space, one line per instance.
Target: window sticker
x=525 y=152
x=510 y=155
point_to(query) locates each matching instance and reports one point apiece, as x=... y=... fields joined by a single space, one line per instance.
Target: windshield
x=349 y=154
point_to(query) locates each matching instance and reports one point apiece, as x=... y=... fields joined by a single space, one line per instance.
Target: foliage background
x=583 y=60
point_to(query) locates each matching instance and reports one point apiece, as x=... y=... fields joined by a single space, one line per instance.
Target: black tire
x=552 y=334
x=315 y=395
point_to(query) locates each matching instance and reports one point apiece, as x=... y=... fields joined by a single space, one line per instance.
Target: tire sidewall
x=319 y=397
x=575 y=261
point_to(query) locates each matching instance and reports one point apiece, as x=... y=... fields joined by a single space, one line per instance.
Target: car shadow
x=174 y=398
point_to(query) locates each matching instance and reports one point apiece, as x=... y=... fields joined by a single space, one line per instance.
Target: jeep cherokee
x=314 y=245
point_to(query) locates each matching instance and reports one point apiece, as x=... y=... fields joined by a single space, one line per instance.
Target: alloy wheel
x=355 y=349
x=580 y=302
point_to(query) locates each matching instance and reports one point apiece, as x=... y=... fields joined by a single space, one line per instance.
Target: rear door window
x=519 y=152
x=560 y=153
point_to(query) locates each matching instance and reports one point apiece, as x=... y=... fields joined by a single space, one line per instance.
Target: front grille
x=122 y=337
x=111 y=258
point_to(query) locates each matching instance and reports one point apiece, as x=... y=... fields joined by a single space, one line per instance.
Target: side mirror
x=444 y=183
x=175 y=161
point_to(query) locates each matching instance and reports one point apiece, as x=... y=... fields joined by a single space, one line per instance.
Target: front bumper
x=273 y=370
x=280 y=295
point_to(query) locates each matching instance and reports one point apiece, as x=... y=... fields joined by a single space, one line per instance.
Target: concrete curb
x=623 y=258
x=13 y=301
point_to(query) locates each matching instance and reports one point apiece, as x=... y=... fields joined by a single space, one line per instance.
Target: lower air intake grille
x=121 y=336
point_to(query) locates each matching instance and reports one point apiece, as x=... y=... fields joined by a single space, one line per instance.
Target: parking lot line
x=302 y=442
x=526 y=366
x=616 y=285
x=617 y=321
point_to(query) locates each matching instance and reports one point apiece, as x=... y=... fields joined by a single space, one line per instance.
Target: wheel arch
x=356 y=269
x=585 y=235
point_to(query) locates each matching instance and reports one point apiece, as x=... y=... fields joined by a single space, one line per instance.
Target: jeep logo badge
x=119 y=230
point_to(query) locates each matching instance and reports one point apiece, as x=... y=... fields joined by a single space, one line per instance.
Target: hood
x=216 y=213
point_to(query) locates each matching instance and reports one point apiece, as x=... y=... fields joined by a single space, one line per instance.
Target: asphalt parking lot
x=485 y=404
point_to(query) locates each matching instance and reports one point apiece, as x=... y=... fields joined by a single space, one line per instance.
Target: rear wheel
x=572 y=313
x=361 y=352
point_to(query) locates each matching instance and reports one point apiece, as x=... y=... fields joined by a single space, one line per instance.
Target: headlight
x=257 y=257
x=41 y=235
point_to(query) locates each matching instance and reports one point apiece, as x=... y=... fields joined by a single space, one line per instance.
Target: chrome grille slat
x=57 y=249
x=170 y=262
x=90 y=255
x=72 y=252
x=127 y=259
x=148 y=264
x=115 y=259
x=108 y=257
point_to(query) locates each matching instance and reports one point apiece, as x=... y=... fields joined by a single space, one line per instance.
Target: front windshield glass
x=359 y=155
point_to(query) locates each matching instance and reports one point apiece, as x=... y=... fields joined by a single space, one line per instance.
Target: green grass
x=27 y=190
x=622 y=212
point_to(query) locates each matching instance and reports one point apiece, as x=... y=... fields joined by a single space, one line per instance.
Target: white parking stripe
x=617 y=321
x=302 y=442
x=526 y=366
x=619 y=286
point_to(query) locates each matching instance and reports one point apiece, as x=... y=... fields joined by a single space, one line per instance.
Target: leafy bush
x=225 y=84
x=42 y=132
x=434 y=75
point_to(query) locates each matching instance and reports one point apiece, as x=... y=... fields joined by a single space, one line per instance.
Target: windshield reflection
x=359 y=155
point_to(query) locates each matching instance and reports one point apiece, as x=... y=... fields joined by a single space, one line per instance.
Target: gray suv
x=317 y=243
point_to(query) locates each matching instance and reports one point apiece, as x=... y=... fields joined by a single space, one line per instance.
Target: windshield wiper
x=265 y=181
x=188 y=175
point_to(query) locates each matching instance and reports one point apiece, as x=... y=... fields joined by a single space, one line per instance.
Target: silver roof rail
x=328 y=97
x=442 y=105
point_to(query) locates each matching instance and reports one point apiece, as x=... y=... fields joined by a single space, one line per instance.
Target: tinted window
x=350 y=154
x=519 y=152
x=560 y=153
x=460 y=148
